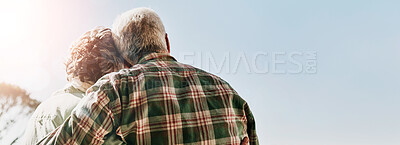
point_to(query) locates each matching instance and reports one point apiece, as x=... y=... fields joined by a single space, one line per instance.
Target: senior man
x=157 y=100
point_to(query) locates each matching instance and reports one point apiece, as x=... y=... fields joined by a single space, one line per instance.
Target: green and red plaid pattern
x=159 y=101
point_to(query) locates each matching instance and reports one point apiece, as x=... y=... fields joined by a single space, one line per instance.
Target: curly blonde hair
x=93 y=55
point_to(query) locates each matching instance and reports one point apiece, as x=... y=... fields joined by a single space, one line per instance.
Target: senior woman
x=91 y=56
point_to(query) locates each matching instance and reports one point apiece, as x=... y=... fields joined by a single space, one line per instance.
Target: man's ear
x=166 y=40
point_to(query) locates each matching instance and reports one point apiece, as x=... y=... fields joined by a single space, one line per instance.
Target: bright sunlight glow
x=19 y=54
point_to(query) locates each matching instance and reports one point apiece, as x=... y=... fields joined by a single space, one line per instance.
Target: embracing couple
x=125 y=88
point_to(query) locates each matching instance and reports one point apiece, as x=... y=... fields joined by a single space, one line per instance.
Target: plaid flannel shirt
x=159 y=101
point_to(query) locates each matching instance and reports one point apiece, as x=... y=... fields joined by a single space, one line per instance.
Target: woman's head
x=93 y=55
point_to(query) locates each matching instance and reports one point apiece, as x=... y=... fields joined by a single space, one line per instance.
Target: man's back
x=176 y=103
x=161 y=101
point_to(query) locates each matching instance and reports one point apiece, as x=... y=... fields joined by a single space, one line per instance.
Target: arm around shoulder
x=90 y=121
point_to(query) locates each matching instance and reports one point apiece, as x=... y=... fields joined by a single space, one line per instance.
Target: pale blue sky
x=352 y=99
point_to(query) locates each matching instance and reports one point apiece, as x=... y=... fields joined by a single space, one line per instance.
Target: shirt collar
x=156 y=56
x=79 y=85
x=74 y=87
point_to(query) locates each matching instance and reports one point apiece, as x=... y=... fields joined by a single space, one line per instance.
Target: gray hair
x=138 y=32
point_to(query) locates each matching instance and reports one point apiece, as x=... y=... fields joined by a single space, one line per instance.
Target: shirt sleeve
x=251 y=126
x=36 y=128
x=90 y=121
x=44 y=120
